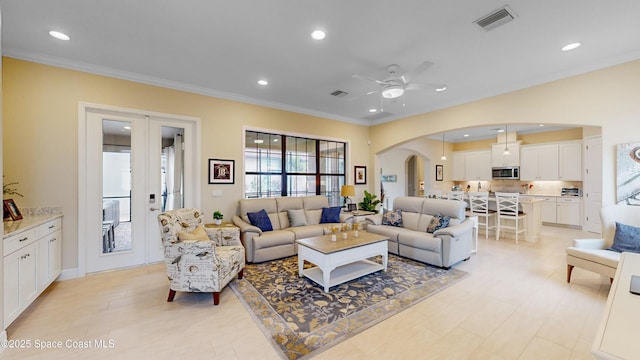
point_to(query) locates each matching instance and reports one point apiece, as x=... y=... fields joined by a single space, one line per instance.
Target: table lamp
x=346 y=191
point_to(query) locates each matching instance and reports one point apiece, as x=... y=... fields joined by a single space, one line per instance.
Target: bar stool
x=479 y=206
x=507 y=204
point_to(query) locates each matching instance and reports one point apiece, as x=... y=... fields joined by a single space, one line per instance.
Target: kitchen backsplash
x=534 y=187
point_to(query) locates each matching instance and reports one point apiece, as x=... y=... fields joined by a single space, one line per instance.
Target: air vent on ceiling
x=339 y=93
x=496 y=18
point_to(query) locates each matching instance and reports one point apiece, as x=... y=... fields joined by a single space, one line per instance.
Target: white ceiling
x=221 y=48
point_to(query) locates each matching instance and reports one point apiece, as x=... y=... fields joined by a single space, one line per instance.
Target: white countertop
x=28 y=222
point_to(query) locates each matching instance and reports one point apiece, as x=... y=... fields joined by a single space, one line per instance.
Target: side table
x=223 y=234
x=361 y=213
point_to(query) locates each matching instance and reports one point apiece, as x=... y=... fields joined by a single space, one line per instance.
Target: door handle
x=154 y=209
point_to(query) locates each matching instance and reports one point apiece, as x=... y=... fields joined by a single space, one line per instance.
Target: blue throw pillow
x=438 y=222
x=261 y=220
x=392 y=218
x=330 y=215
x=627 y=238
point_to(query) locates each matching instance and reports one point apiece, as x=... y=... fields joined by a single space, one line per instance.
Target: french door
x=136 y=165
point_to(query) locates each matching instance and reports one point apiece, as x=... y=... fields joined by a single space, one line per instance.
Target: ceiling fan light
x=443 y=88
x=392 y=92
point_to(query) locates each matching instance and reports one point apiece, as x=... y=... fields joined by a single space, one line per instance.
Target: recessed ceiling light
x=466 y=135
x=541 y=125
x=500 y=130
x=442 y=88
x=127 y=127
x=58 y=35
x=318 y=35
x=571 y=46
x=373 y=110
x=263 y=82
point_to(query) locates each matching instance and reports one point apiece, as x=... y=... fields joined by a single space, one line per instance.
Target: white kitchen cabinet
x=568 y=211
x=471 y=165
x=20 y=281
x=548 y=207
x=49 y=252
x=478 y=165
x=539 y=162
x=570 y=161
x=458 y=160
x=499 y=159
x=32 y=260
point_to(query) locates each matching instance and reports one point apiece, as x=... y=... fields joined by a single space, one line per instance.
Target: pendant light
x=506 y=148
x=443 y=157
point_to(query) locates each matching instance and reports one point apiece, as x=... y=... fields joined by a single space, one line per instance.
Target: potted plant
x=217 y=217
x=369 y=202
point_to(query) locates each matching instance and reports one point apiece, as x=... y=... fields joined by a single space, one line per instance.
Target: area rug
x=302 y=320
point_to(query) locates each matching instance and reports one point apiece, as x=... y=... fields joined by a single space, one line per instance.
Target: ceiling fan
x=396 y=84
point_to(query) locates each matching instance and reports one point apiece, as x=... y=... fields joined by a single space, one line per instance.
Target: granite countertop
x=28 y=222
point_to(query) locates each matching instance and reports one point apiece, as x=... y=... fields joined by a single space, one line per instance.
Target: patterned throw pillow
x=438 y=222
x=392 y=218
x=261 y=220
x=330 y=215
x=297 y=218
x=197 y=234
x=627 y=238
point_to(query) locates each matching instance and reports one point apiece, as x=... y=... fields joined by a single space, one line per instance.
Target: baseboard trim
x=3 y=340
x=68 y=274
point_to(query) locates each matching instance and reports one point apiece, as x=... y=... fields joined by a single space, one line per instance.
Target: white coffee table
x=341 y=260
x=617 y=336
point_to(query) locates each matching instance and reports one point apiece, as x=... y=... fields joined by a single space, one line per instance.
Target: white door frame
x=83 y=167
x=592 y=189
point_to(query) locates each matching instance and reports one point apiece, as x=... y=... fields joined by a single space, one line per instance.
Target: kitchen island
x=533 y=222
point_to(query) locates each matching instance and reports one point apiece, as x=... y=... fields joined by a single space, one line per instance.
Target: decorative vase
x=218 y=221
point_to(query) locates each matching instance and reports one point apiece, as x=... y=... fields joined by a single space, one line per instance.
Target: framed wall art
x=360 y=176
x=389 y=178
x=628 y=174
x=11 y=207
x=221 y=171
x=439 y=172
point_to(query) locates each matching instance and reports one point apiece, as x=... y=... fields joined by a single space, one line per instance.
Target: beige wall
x=605 y=98
x=41 y=134
x=41 y=125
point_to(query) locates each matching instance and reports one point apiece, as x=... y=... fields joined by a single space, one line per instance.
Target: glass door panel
x=116 y=186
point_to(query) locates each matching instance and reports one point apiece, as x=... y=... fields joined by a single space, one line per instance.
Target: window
x=282 y=165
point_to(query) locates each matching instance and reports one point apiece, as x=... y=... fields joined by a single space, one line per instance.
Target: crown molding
x=170 y=84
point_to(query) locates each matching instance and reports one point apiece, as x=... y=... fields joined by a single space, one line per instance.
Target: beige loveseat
x=592 y=254
x=443 y=247
x=280 y=242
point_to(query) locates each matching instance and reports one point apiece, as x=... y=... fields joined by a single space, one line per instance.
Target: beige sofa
x=442 y=248
x=592 y=254
x=280 y=242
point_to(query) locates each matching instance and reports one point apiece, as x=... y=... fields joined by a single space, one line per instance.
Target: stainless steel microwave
x=505 y=173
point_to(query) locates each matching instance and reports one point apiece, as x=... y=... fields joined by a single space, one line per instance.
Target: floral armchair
x=194 y=262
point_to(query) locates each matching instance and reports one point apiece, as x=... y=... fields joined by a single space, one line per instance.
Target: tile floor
x=515 y=305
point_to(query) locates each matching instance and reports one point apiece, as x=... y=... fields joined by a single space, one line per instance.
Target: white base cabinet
x=568 y=211
x=32 y=261
x=548 y=207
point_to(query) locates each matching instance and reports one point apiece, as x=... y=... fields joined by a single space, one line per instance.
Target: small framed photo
x=439 y=172
x=10 y=206
x=360 y=176
x=221 y=171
